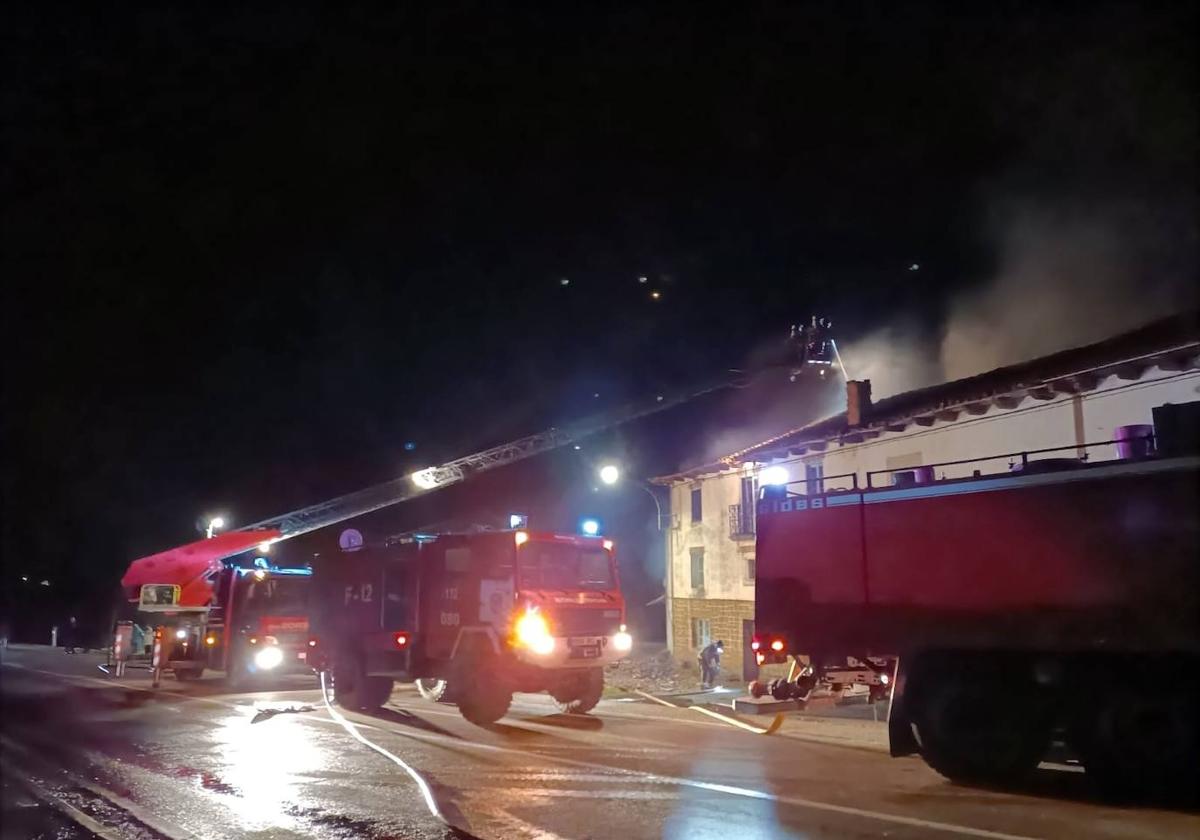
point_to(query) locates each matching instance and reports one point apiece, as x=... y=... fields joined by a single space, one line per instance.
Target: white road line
x=731 y=790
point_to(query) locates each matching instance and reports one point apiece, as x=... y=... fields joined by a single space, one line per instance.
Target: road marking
x=422 y=785
x=731 y=790
x=757 y=730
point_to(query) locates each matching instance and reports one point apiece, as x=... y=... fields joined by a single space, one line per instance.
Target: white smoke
x=1069 y=276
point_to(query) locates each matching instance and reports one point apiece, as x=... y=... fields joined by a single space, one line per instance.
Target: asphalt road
x=190 y=761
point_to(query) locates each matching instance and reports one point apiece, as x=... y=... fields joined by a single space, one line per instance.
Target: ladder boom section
x=394 y=491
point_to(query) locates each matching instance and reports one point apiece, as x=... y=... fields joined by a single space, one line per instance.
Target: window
x=748 y=493
x=749 y=570
x=697 y=568
x=813 y=475
x=697 y=509
x=701 y=633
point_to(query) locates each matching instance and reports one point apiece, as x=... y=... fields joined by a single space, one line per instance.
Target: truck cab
x=473 y=618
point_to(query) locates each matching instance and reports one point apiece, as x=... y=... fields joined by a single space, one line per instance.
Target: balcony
x=741 y=522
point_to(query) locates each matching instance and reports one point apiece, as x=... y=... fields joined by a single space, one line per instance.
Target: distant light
x=210 y=640
x=216 y=522
x=180 y=634
x=915 y=267
x=610 y=474
x=655 y=295
x=45 y=583
x=425 y=479
x=564 y=281
x=596 y=395
x=577 y=447
x=591 y=527
x=777 y=645
x=774 y=476
x=24 y=577
x=659 y=398
x=517 y=520
x=409 y=446
x=642 y=279
x=268 y=658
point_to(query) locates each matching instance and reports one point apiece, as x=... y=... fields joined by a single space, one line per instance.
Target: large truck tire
x=1136 y=741
x=580 y=693
x=373 y=692
x=484 y=693
x=431 y=689
x=976 y=727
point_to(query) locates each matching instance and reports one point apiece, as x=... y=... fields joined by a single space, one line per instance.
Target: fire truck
x=213 y=608
x=471 y=618
x=1058 y=599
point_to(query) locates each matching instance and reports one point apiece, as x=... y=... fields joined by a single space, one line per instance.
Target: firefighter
x=710 y=663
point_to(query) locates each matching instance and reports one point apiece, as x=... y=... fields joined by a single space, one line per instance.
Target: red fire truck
x=214 y=612
x=472 y=618
x=1061 y=597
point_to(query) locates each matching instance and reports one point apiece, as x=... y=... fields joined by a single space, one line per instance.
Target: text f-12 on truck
x=471 y=618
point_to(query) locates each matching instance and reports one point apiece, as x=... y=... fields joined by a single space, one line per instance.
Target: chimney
x=858 y=402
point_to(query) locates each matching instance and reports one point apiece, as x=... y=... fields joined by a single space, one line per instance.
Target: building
x=1059 y=402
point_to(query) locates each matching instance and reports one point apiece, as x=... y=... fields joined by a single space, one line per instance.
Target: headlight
x=268 y=658
x=622 y=641
x=180 y=634
x=533 y=632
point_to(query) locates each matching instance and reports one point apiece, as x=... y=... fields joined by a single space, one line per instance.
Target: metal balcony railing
x=741 y=522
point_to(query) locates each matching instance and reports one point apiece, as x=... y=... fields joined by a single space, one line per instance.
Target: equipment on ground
x=1060 y=596
x=471 y=618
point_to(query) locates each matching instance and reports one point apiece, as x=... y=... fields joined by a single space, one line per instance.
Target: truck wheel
x=1136 y=742
x=373 y=692
x=484 y=704
x=343 y=686
x=979 y=730
x=432 y=689
x=579 y=694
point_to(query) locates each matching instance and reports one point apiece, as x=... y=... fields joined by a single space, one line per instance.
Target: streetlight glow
x=774 y=476
x=610 y=474
x=214 y=523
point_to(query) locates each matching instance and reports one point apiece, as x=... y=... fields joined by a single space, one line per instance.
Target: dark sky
x=250 y=254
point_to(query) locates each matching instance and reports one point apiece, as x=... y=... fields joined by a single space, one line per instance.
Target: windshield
x=561 y=566
x=276 y=596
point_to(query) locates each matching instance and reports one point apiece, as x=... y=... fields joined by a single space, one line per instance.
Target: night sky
x=249 y=255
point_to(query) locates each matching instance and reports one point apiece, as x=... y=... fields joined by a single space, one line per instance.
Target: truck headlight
x=268 y=658
x=533 y=632
x=622 y=641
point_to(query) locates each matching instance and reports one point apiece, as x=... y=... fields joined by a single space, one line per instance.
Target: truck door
x=466 y=586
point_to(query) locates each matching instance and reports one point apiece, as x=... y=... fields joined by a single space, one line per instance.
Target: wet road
x=190 y=761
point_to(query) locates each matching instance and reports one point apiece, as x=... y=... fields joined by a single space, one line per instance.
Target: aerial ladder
x=368 y=500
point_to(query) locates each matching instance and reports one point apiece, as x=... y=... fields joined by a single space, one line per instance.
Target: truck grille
x=586 y=622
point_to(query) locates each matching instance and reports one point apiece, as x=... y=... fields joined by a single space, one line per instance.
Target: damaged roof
x=1169 y=344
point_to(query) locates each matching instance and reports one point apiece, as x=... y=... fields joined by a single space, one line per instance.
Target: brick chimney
x=858 y=402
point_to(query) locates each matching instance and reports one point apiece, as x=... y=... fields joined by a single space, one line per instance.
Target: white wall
x=724 y=558
x=1031 y=425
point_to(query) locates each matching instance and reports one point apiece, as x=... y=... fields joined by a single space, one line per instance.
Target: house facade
x=1070 y=403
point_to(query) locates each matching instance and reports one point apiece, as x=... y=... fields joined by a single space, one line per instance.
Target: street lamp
x=214 y=524
x=610 y=474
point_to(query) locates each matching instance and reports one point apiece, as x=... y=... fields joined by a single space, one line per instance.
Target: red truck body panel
x=1097 y=557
